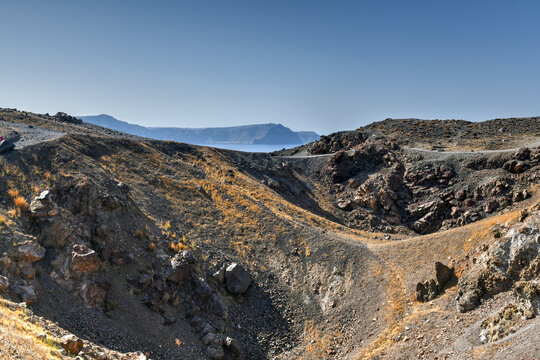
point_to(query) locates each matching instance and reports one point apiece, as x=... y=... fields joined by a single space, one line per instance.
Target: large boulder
x=233 y=346
x=523 y=154
x=215 y=352
x=56 y=234
x=515 y=166
x=426 y=291
x=72 y=344
x=4 y=283
x=31 y=252
x=6 y=145
x=26 y=271
x=237 y=279
x=183 y=265
x=93 y=293
x=42 y=205
x=443 y=274
x=27 y=293
x=84 y=259
x=430 y=289
x=429 y=215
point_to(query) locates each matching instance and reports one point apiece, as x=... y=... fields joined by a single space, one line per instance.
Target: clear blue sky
x=317 y=65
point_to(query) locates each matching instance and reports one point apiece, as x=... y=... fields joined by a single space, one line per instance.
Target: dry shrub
x=13 y=193
x=138 y=234
x=20 y=204
x=177 y=246
x=318 y=342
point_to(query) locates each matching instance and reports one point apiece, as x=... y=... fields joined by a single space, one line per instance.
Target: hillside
x=443 y=135
x=250 y=134
x=155 y=249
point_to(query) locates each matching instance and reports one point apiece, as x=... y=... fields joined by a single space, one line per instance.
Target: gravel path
x=24 y=135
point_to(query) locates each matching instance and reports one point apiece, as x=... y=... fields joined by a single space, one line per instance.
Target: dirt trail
x=305 y=155
x=25 y=135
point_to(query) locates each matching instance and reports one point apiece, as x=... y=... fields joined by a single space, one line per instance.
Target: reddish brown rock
x=72 y=344
x=31 y=252
x=85 y=259
x=94 y=294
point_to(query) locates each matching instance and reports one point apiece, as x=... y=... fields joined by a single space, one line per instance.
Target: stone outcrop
x=182 y=266
x=93 y=293
x=430 y=289
x=31 y=252
x=43 y=206
x=237 y=279
x=513 y=315
x=233 y=346
x=84 y=259
x=515 y=257
x=4 y=283
x=345 y=140
x=27 y=293
x=72 y=344
x=63 y=117
x=527 y=294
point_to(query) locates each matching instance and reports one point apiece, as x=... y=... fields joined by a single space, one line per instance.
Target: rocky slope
x=151 y=249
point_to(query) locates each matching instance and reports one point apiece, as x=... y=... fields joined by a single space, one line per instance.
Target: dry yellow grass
x=426 y=249
x=482 y=231
x=13 y=193
x=20 y=204
x=19 y=337
x=317 y=342
x=12 y=212
x=177 y=246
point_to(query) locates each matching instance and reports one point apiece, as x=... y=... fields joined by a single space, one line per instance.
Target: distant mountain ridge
x=260 y=134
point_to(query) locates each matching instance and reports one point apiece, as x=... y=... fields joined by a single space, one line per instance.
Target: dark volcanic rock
x=85 y=259
x=4 y=283
x=42 y=205
x=63 y=117
x=31 y=252
x=182 y=266
x=93 y=293
x=237 y=279
x=234 y=347
x=72 y=344
x=430 y=289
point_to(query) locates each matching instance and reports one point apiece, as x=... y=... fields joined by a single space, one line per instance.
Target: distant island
x=260 y=134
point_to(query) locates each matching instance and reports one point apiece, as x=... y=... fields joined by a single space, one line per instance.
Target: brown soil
x=326 y=285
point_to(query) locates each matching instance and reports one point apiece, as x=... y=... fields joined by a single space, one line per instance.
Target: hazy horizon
x=311 y=66
x=186 y=127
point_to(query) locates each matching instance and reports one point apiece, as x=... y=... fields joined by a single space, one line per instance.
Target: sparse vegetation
x=20 y=204
x=20 y=336
x=322 y=288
